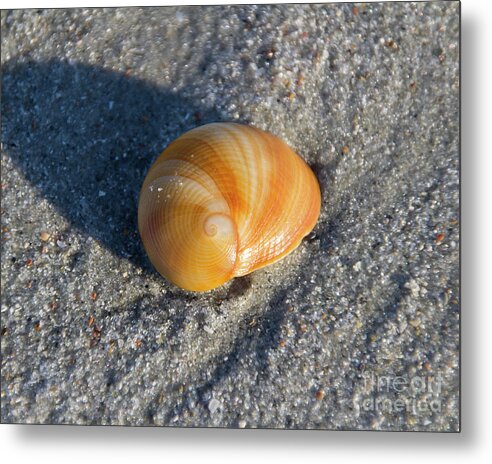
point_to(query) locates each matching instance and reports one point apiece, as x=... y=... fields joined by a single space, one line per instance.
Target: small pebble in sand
x=208 y=329
x=213 y=405
x=44 y=236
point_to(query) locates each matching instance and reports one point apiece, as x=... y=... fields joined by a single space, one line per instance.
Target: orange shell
x=223 y=200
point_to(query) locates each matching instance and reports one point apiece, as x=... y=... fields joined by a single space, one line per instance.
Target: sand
x=357 y=329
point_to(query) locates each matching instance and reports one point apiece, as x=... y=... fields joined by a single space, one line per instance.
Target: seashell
x=223 y=200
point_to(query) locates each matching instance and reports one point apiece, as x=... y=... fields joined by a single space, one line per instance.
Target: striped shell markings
x=223 y=200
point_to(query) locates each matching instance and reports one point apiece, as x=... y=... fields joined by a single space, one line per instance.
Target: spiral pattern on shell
x=223 y=200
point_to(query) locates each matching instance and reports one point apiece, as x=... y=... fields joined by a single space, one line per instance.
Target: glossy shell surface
x=223 y=200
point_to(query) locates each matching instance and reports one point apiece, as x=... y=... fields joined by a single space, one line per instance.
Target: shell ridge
x=188 y=177
x=264 y=235
x=199 y=140
x=249 y=146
